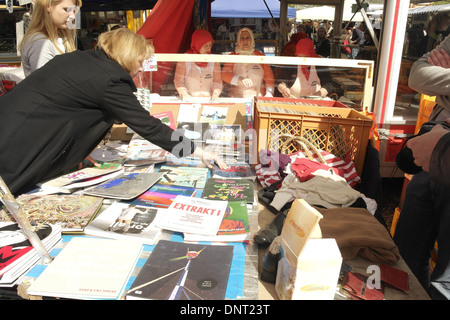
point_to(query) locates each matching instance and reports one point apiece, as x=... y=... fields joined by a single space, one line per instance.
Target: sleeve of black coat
x=120 y=101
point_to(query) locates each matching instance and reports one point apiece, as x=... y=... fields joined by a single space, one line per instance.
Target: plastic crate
x=328 y=125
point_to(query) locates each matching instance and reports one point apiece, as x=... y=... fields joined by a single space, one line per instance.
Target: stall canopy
x=430 y=9
x=247 y=9
x=326 y=13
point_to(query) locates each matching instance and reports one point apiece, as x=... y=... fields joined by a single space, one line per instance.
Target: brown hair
x=125 y=47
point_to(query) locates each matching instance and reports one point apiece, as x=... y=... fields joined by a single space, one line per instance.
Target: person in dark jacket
x=425 y=215
x=56 y=116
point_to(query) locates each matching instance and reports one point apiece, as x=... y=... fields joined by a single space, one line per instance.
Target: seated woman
x=199 y=79
x=306 y=80
x=246 y=78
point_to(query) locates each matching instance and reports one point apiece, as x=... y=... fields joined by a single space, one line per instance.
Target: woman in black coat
x=55 y=117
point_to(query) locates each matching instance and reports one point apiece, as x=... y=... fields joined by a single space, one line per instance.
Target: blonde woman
x=50 y=33
x=57 y=115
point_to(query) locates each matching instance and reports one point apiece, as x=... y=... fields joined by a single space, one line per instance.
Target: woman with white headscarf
x=248 y=79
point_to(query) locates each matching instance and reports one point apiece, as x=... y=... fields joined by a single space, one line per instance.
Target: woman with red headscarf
x=199 y=79
x=308 y=80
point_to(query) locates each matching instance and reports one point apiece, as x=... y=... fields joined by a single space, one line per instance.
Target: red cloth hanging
x=170 y=27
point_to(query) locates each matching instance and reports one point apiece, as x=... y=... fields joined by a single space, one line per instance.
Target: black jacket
x=56 y=116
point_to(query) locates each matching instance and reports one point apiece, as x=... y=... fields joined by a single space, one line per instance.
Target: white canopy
x=326 y=13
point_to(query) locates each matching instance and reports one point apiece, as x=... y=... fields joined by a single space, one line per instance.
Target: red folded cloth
x=304 y=168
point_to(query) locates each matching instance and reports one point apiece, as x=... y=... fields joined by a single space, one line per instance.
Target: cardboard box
x=309 y=266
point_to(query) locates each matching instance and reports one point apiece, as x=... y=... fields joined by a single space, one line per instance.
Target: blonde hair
x=41 y=23
x=125 y=47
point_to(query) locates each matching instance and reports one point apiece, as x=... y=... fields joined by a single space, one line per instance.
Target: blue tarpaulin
x=247 y=9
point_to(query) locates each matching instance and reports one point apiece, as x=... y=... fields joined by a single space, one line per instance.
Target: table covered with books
x=169 y=228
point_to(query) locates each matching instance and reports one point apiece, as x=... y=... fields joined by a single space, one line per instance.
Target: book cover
x=141 y=149
x=229 y=190
x=235 y=225
x=91 y=181
x=167 y=118
x=79 y=175
x=194 y=215
x=195 y=131
x=126 y=186
x=89 y=268
x=17 y=254
x=184 y=176
x=125 y=221
x=225 y=135
x=188 y=112
x=182 y=271
x=214 y=114
x=161 y=196
x=71 y=211
x=235 y=171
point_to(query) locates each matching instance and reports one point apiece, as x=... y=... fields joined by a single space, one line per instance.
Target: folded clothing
x=325 y=189
x=304 y=168
x=358 y=232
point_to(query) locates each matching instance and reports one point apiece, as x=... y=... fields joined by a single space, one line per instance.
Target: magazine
x=161 y=196
x=214 y=114
x=183 y=271
x=71 y=211
x=141 y=149
x=89 y=268
x=126 y=186
x=184 y=176
x=17 y=255
x=125 y=221
x=235 y=171
x=194 y=215
x=79 y=175
x=195 y=131
x=235 y=226
x=229 y=190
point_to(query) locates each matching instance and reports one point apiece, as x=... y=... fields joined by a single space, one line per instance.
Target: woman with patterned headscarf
x=308 y=80
x=199 y=79
x=247 y=78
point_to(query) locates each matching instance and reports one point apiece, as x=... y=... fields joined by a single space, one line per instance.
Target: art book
x=89 y=268
x=229 y=190
x=161 y=196
x=126 y=186
x=235 y=171
x=90 y=182
x=17 y=255
x=141 y=149
x=72 y=212
x=167 y=118
x=183 y=271
x=184 y=176
x=79 y=175
x=195 y=131
x=225 y=135
x=235 y=226
x=188 y=112
x=125 y=221
x=194 y=215
x=214 y=114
